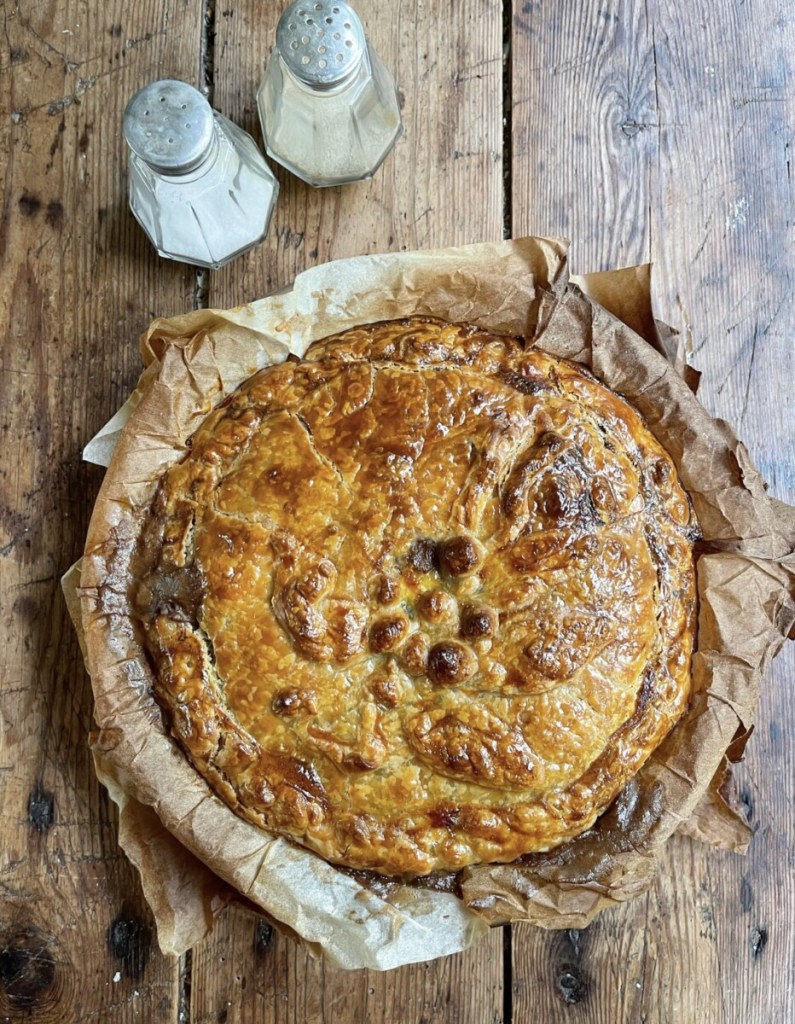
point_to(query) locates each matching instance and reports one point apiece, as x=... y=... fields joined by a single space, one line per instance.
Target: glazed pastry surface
x=422 y=600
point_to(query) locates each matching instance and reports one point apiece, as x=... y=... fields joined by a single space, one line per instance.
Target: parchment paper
x=746 y=582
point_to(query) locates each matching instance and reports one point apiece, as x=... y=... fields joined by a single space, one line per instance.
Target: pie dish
x=421 y=600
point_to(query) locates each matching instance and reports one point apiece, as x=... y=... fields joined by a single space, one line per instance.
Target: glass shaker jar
x=198 y=184
x=327 y=105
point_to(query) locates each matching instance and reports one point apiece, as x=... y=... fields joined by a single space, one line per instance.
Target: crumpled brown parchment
x=192 y=852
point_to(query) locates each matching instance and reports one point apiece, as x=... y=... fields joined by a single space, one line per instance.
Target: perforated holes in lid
x=321 y=42
x=169 y=124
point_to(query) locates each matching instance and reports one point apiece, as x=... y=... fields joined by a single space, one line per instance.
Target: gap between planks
x=201 y=290
x=201 y=296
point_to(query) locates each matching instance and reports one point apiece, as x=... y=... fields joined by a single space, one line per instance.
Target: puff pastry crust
x=422 y=600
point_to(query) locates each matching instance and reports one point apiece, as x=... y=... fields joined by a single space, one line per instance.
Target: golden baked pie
x=421 y=600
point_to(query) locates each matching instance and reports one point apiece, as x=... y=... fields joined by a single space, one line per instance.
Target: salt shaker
x=327 y=105
x=198 y=184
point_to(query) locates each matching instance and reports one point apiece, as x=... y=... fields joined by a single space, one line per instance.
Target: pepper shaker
x=198 y=184
x=328 y=106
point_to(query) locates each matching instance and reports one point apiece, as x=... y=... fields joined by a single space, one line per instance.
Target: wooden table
x=644 y=132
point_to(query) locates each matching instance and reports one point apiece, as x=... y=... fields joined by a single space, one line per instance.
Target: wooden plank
x=248 y=974
x=441 y=186
x=581 y=104
x=76 y=938
x=644 y=132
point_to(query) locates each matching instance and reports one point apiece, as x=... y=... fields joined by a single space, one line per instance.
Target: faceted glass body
x=329 y=136
x=213 y=213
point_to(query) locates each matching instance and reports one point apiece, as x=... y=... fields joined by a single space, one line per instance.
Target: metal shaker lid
x=169 y=124
x=321 y=41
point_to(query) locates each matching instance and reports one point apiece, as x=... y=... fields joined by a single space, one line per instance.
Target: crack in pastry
x=422 y=600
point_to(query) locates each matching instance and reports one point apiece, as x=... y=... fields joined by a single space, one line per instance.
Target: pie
x=421 y=600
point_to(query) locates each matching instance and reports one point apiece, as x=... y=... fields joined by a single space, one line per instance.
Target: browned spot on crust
x=478 y=621
x=436 y=605
x=424 y=555
x=451 y=662
x=444 y=816
x=460 y=555
x=297 y=775
x=386 y=633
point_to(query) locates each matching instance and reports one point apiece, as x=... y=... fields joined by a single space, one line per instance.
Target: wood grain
x=442 y=184
x=78 y=284
x=248 y=973
x=662 y=132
